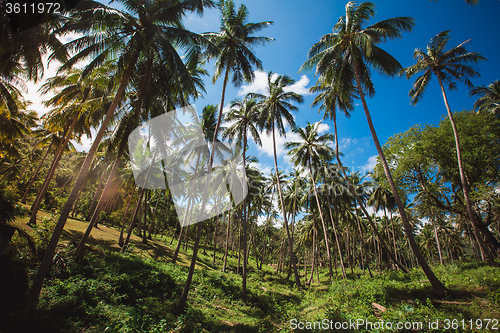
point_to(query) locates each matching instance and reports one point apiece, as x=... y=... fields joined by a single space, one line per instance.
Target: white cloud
x=370 y=164
x=86 y=143
x=323 y=128
x=299 y=87
x=264 y=168
x=371 y=211
x=259 y=85
x=267 y=142
x=33 y=95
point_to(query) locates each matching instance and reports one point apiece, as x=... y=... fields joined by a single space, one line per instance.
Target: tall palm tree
x=234 y=44
x=490 y=98
x=312 y=148
x=347 y=54
x=448 y=66
x=244 y=115
x=275 y=109
x=108 y=32
x=335 y=95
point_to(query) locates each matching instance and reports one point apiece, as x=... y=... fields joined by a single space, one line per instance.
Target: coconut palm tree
x=234 y=44
x=490 y=98
x=108 y=32
x=312 y=148
x=244 y=115
x=275 y=109
x=347 y=54
x=448 y=66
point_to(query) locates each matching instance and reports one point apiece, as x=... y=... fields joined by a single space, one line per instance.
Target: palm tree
x=448 y=66
x=275 y=107
x=490 y=98
x=78 y=106
x=234 y=44
x=346 y=55
x=245 y=115
x=312 y=148
x=109 y=32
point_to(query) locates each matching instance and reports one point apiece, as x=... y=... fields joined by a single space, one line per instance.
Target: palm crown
x=490 y=98
x=351 y=49
x=448 y=66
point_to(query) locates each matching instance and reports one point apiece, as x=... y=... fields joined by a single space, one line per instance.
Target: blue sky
x=300 y=24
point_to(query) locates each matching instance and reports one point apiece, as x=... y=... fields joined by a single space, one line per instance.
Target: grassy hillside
x=134 y=292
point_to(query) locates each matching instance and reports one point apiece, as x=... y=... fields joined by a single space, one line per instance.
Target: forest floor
x=107 y=238
x=134 y=292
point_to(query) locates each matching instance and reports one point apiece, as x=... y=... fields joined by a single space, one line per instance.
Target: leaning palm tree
x=275 y=109
x=244 y=115
x=490 y=98
x=108 y=32
x=346 y=55
x=312 y=148
x=448 y=66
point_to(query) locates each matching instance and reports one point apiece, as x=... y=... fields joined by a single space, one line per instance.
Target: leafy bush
x=8 y=206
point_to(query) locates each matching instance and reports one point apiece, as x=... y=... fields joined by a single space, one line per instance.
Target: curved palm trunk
x=327 y=243
x=465 y=185
x=36 y=287
x=290 y=240
x=27 y=188
x=438 y=288
x=360 y=202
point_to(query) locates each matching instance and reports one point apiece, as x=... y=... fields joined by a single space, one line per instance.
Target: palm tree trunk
x=290 y=240
x=121 y=241
x=100 y=204
x=27 y=188
x=313 y=255
x=327 y=243
x=77 y=199
x=36 y=287
x=463 y=178
x=45 y=187
x=59 y=192
x=245 y=223
x=188 y=208
x=360 y=202
x=438 y=288
x=215 y=236
x=27 y=163
x=227 y=241
x=96 y=194
x=181 y=303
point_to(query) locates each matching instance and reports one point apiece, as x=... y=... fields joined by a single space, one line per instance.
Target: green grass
x=134 y=292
